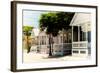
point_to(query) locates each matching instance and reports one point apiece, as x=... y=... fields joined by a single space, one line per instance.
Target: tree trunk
x=50 y=49
x=52 y=44
x=28 y=45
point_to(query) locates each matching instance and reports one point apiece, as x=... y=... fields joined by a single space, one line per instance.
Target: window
x=65 y=39
x=75 y=51
x=82 y=51
x=61 y=39
x=89 y=36
x=75 y=33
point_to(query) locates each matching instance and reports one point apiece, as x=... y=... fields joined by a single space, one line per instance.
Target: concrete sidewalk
x=37 y=57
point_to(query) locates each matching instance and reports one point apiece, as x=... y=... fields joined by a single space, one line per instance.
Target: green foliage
x=64 y=19
x=48 y=22
x=27 y=29
x=55 y=22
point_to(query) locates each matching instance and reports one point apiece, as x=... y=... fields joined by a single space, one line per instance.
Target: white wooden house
x=81 y=34
x=77 y=41
x=61 y=43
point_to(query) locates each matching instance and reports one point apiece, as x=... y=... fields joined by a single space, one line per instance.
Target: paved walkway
x=37 y=57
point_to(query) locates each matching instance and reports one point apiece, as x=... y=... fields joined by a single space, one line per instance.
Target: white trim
x=21 y=65
x=74 y=17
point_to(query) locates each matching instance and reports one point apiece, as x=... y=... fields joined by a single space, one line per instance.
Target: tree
x=48 y=23
x=64 y=19
x=27 y=32
x=53 y=23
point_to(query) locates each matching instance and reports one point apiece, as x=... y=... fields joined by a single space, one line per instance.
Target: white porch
x=81 y=34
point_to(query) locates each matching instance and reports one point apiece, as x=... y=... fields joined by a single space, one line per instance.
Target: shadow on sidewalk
x=56 y=56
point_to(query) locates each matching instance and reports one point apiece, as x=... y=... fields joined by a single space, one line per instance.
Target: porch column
x=86 y=32
x=72 y=36
x=78 y=34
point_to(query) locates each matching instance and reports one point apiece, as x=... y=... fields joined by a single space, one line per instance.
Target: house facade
x=75 y=41
x=81 y=34
x=61 y=43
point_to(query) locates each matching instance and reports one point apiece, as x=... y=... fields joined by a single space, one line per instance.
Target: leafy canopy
x=53 y=22
x=27 y=29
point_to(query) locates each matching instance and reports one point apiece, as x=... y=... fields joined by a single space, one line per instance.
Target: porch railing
x=63 y=46
x=82 y=44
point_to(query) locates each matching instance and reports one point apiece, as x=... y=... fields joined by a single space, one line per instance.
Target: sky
x=31 y=18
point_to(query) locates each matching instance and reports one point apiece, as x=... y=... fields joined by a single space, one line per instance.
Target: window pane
x=89 y=36
x=75 y=33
